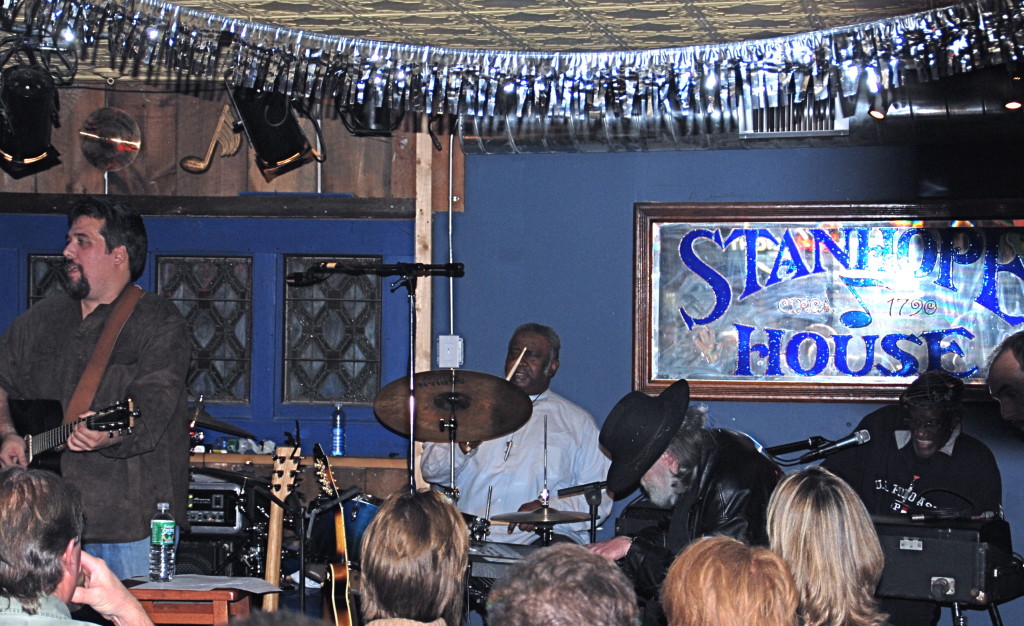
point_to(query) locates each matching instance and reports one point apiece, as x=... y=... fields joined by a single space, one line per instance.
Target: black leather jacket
x=730 y=497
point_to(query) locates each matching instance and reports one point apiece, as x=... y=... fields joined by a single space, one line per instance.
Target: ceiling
x=560 y=25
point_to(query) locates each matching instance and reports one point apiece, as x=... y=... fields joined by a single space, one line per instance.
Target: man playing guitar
x=44 y=353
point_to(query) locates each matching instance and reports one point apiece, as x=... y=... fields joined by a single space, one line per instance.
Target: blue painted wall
x=549 y=238
x=264 y=240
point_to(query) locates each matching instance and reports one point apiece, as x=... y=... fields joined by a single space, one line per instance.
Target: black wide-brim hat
x=637 y=432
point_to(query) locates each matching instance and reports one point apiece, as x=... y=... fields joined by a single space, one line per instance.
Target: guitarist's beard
x=79 y=289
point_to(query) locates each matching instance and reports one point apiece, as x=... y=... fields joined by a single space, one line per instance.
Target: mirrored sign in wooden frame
x=822 y=302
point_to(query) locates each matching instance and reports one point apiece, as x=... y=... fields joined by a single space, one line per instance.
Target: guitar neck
x=286 y=465
x=37 y=444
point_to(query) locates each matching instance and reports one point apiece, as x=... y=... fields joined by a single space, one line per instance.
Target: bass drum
x=358 y=513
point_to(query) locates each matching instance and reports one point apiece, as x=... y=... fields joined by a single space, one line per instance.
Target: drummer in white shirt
x=510 y=470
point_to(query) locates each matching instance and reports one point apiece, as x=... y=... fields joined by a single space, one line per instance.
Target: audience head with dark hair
x=720 y=581
x=42 y=566
x=819 y=526
x=1006 y=379
x=562 y=585
x=414 y=555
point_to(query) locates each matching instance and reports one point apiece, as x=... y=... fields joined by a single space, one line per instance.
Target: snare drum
x=359 y=512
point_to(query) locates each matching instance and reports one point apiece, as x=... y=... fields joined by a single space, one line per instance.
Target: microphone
x=804 y=444
x=571 y=491
x=940 y=514
x=853 y=439
x=303 y=279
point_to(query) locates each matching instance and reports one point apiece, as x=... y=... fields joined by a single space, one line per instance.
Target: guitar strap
x=87 y=385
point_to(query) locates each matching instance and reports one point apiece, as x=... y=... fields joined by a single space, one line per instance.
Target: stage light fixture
x=367 y=120
x=1015 y=100
x=28 y=112
x=269 y=122
x=879 y=107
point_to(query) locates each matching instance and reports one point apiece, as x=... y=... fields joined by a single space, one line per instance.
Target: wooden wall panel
x=197 y=122
x=176 y=124
x=360 y=166
x=74 y=174
x=154 y=172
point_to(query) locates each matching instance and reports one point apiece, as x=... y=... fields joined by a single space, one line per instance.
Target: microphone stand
x=593 y=496
x=592 y=493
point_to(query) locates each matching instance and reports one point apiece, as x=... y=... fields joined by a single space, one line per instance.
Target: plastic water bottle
x=338 y=431
x=161 y=544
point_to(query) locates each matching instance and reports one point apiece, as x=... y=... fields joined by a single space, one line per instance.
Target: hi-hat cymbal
x=228 y=475
x=483 y=406
x=543 y=515
x=203 y=419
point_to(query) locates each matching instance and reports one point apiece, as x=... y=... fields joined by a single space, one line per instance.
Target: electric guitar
x=336 y=608
x=33 y=418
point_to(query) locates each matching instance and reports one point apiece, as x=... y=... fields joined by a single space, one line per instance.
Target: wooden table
x=189 y=606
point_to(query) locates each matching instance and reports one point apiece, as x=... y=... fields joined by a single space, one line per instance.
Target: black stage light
x=366 y=120
x=28 y=112
x=273 y=131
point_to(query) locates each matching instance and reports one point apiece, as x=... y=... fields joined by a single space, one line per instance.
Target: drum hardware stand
x=451 y=425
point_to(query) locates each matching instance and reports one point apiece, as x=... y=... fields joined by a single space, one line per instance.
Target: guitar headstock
x=116 y=417
x=286 y=469
x=322 y=466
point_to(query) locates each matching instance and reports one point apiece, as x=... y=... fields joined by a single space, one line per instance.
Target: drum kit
x=459 y=405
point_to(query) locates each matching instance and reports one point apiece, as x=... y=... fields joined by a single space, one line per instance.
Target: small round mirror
x=110 y=139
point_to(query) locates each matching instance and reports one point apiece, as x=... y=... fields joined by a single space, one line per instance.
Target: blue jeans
x=126 y=560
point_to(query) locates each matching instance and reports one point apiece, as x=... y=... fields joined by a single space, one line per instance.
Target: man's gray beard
x=663 y=493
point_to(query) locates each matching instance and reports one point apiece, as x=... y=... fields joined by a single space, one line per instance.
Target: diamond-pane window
x=332 y=336
x=45 y=276
x=214 y=294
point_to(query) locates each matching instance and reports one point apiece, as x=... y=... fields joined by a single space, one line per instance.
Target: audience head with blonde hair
x=721 y=581
x=819 y=526
x=414 y=558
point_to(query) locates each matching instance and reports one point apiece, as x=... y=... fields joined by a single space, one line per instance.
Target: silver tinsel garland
x=698 y=80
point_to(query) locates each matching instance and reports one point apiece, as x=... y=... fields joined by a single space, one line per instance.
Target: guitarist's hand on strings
x=85 y=439
x=12 y=450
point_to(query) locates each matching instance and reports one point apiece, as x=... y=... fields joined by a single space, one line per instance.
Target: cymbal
x=543 y=515
x=228 y=475
x=203 y=419
x=483 y=406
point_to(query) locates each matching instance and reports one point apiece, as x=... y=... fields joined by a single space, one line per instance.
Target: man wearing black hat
x=919 y=460
x=712 y=481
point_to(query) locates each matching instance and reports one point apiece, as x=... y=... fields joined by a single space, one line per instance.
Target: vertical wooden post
x=423 y=254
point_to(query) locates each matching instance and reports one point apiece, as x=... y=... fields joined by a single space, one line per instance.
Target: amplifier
x=968 y=562
x=214 y=508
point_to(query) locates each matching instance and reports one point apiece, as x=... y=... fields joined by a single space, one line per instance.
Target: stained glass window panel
x=332 y=336
x=215 y=296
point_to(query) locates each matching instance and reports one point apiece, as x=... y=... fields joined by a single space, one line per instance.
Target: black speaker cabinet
x=968 y=562
x=639 y=514
x=208 y=556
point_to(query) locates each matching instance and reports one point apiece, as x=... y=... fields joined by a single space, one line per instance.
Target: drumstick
x=512 y=370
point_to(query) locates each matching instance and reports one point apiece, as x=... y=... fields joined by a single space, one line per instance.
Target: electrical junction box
x=449 y=351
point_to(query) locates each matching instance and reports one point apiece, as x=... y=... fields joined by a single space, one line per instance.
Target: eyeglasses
x=913 y=423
